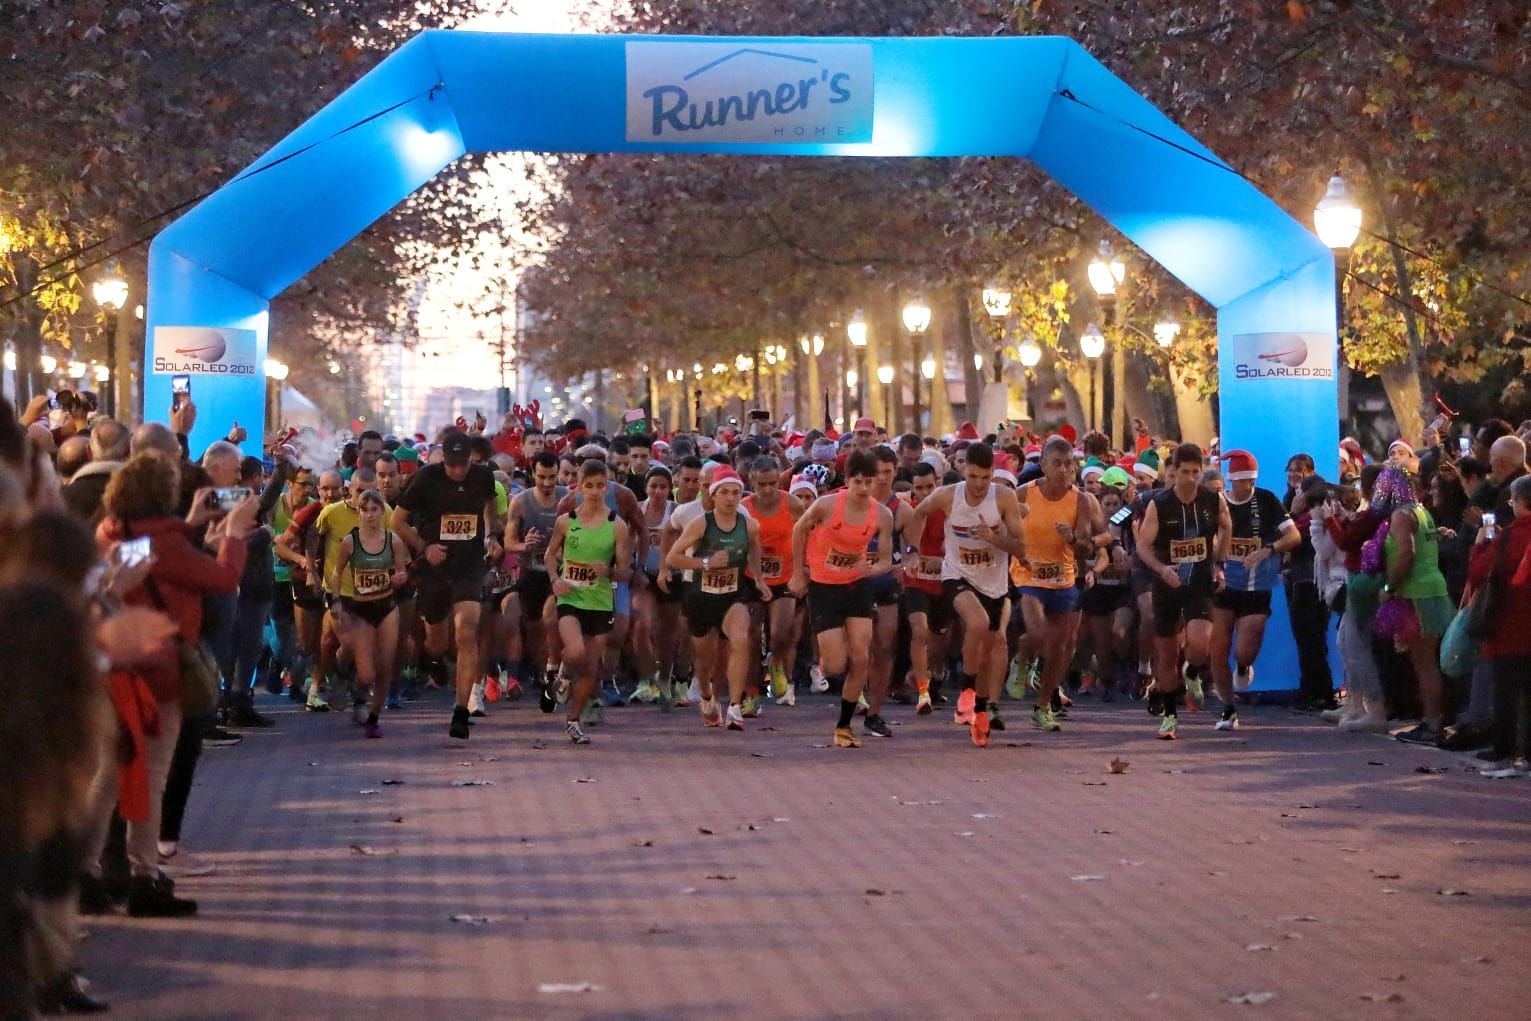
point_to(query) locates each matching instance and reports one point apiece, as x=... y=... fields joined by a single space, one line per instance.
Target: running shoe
x=459 y=728
x=359 y=714
x=712 y=716
x=845 y=739
x=1167 y=728
x=316 y=703
x=1015 y=686
x=372 y=731
x=924 y=707
x=751 y=707
x=393 y=702
x=965 y=702
x=511 y=689
x=492 y=687
x=1042 y=719
x=995 y=722
x=646 y=692
x=547 y=701
x=862 y=706
x=575 y=734
x=779 y=681
x=561 y=685
x=1034 y=675
x=979 y=729
x=682 y=694
x=294 y=689
x=1155 y=703
x=1424 y=733
x=694 y=691
x=1230 y=720
x=735 y=717
x=663 y=693
x=476 y=701
x=611 y=695
x=788 y=697
x=436 y=675
x=1062 y=699
x=594 y=714
x=875 y=726
x=1243 y=679
x=1194 y=696
x=817 y=682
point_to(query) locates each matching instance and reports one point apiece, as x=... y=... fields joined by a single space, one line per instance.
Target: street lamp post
x=996 y=301
x=1093 y=344
x=916 y=318
x=856 y=330
x=276 y=373
x=812 y=348
x=928 y=370
x=1337 y=220
x=885 y=377
x=111 y=293
x=1107 y=273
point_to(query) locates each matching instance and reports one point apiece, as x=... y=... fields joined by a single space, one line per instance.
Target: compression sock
x=847 y=712
x=980 y=705
x=1172 y=702
x=372 y=719
x=969 y=681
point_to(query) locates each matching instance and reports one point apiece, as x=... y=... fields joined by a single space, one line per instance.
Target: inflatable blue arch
x=213 y=272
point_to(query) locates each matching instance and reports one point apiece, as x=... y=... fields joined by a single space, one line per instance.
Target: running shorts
x=592 y=623
x=937 y=610
x=830 y=606
x=1055 y=601
x=993 y=606
x=1175 y=607
x=1243 y=604
x=441 y=590
x=1104 y=600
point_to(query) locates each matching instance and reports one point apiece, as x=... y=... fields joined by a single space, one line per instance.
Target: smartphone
x=759 y=415
x=1465 y=445
x=180 y=392
x=1490 y=519
x=1122 y=516
x=226 y=498
x=132 y=552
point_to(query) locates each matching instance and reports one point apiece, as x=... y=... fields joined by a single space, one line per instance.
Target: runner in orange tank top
x=829 y=563
x=776 y=512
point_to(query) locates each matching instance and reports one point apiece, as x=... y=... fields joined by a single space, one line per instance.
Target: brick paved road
x=691 y=873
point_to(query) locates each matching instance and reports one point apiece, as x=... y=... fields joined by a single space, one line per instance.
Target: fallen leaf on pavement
x=872 y=891
x=472 y=783
x=723 y=877
x=704 y=831
x=688 y=889
x=1382 y=997
x=472 y=919
x=643 y=843
x=1118 y=765
x=1088 y=879
x=1450 y=892
x=369 y=790
x=585 y=779
x=965 y=833
x=1257 y=947
x=397 y=818
x=1095 y=783
x=1253 y=999
x=782 y=818
x=568 y=987
x=1298 y=918
x=985 y=815
x=1386 y=875
x=392 y=783
x=372 y=852
x=1430 y=770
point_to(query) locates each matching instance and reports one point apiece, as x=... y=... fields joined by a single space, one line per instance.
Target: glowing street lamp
x=111 y=293
x=744 y=363
x=928 y=367
x=1336 y=218
x=1030 y=352
x=49 y=364
x=856 y=329
x=1165 y=332
x=885 y=377
x=1092 y=342
x=276 y=370
x=851 y=379
x=1106 y=271
x=916 y=317
x=996 y=301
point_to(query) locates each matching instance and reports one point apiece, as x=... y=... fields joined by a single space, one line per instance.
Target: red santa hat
x=725 y=477
x=1241 y=465
x=967 y=431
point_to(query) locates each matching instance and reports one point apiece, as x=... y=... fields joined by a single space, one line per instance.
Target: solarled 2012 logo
x=204 y=351
x=808 y=93
x=1283 y=356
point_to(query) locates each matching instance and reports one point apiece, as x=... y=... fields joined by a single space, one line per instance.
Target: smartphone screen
x=1465 y=445
x=228 y=497
x=1122 y=516
x=180 y=391
x=132 y=552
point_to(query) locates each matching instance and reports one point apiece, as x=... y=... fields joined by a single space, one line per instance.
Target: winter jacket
x=1510 y=567
x=183 y=574
x=85 y=491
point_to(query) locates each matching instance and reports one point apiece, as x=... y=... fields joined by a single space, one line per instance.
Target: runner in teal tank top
x=375 y=559
x=590 y=549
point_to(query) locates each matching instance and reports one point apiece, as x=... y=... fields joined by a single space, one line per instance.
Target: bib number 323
x=458 y=527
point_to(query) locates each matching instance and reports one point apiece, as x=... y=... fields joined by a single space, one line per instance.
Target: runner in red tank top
x=929 y=619
x=829 y=563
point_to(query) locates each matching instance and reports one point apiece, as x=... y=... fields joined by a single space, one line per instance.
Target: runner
x=887 y=593
x=528 y=527
x=287 y=657
x=1061 y=522
x=442 y=517
x=589 y=550
x=776 y=512
x=829 y=565
x=984 y=521
x=1183 y=542
x=1107 y=603
x=1262 y=532
x=717 y=547
x=375 y=561
x=656 y=605
x=929 y=614
x=330 y=529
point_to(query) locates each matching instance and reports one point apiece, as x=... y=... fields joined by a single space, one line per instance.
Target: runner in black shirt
x=1183 y=540
x=443 y=516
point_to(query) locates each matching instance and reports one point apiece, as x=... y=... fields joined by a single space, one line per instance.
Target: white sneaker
x=711 y=715
x=1336 y=714
x=476 y=700
x=561 y=686
x=359 y=714
x=787 y=698
x=1227 y=723
x=694 y=692
x=1243 y=679
x=735 y=718
x=185 y=865
x=817 y=682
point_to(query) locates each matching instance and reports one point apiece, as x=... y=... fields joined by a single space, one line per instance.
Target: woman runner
x=375 y=560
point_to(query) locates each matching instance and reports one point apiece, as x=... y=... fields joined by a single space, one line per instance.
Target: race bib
x=975 y=556
x=1045 y=572
x=371 y=581
x=654 y=536
x=581 y=575
x=929 y=569
x=458 y=527
x=770 y=567
x=720 y=581
x=1188 y=551
x=842 y=559
x=500 y=581
x=1241 y=548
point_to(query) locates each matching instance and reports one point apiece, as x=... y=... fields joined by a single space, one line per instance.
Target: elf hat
x=1147 y=464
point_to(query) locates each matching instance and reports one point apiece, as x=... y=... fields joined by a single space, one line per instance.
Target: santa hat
x=1092 y=471
x=725 y=477
x=1147 y=463
x=1241 y=465
x=802 y=483
x=967 y=431
x=1033 y=451
x=1397 y=445
x=1068 y=432
x=1004 y=475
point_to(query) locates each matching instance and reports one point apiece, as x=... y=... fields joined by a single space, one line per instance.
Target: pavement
x=671 y=871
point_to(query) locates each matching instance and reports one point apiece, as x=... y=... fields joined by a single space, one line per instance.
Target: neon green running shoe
x=1042 y=719
x=778 y=680
x=1167 y=728
x=1014 y=685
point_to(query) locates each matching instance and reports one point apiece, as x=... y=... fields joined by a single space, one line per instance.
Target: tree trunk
x=1407 y=383
x=886 y=320
x=967 y=345
x=941 y=420
x=1143 y=371
x=28 y=339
